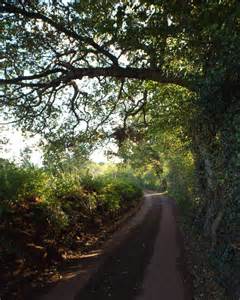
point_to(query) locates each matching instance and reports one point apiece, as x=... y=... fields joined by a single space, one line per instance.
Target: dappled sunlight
x=150 y=194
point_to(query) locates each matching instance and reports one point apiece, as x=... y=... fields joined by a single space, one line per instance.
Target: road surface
x=146 y=262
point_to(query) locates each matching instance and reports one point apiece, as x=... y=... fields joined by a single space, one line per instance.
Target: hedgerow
x=41 y=214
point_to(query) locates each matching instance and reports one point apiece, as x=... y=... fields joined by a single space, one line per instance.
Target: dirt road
x=147 y=262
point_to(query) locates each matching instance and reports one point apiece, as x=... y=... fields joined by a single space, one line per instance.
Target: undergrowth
x=43 y=215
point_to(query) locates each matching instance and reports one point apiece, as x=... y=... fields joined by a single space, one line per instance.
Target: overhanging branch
x=115 y=72
x=21 y=79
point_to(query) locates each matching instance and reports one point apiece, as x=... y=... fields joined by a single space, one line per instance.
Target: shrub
x=72 y=195
x=44 y=214
x=18 y=184
x=119 y=191
x=109 y=199
x=92 y=183
x=51 y=216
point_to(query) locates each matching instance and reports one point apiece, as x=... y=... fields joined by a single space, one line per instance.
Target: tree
x=50 y=53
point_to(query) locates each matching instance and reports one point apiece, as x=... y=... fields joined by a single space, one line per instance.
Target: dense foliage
x=45 y=215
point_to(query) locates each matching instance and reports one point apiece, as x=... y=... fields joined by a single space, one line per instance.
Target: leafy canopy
x=69 y=68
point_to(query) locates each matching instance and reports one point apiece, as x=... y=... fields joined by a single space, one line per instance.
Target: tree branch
x=20 y=79
x=9 y=8
x=116 y=72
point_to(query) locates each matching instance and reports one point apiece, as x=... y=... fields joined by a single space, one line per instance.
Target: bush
x=51 y=216
x=92 y=183
x=19 y=184
x=34 y=195
x=119 y=191
x=44 y=215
